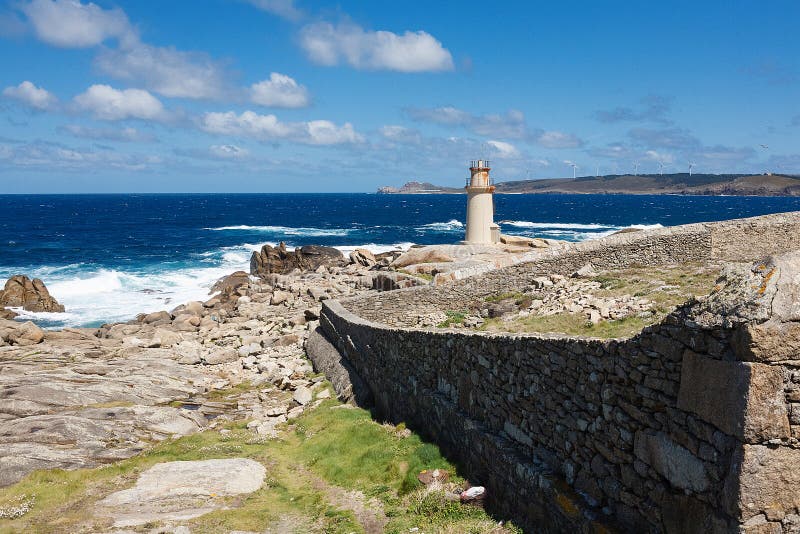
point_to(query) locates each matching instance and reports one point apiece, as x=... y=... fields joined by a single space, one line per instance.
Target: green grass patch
x=570 y=324
x=665 y=287
x=229 y=393
x=325 y=448
x=424 y=276
x=453 y=318
x=348 y=449
x=608 y=282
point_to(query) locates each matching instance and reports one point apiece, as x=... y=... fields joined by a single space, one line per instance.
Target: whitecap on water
x=557 y=225
x=570 y=231
x=449 y=226
x=286 y=230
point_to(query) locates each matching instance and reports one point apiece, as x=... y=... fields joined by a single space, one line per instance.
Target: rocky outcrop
x=84 y=397
x=230 y=288
x=363 y=257
x=32 y=295
x=279 y=260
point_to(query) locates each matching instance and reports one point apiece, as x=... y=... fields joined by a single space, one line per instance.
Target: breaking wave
x=93 y=295
x=452 y=225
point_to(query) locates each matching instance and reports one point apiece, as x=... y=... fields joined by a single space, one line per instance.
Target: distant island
x=648 y=184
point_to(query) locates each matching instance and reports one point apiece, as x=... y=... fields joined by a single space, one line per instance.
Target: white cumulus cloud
x=280 y=91
x=165 y=70
x=269 y=127
x=107 y=103
x=503 y=149
x=330 y=45
x=30 y=95
x=72 y=24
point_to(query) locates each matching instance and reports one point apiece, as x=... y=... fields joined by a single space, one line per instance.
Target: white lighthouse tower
x=480 y=205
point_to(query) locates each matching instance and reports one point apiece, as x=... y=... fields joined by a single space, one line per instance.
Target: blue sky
x=294 y=95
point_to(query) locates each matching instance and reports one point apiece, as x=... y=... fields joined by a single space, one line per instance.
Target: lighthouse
x=480 y=205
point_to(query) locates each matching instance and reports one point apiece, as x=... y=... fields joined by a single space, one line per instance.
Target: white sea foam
x=575 y=226
x=572 y=232
x=93 y=296
x=555 y=225
x=449 y=226
x=286 y=230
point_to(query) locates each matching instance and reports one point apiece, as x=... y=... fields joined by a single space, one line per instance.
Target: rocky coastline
x=82 y=397
x=87 y=397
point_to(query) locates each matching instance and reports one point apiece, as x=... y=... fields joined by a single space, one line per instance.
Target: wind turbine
x=597 y=171
x=690 y=168
x=661 y=168
x=765 y=147
x=574 y=167
x=636 y=168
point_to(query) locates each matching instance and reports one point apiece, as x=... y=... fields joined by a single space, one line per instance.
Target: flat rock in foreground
x=182 y=490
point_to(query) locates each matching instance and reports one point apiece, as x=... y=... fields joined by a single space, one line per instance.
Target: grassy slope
x=327 y=451
x=653 y=183
x=677 y=183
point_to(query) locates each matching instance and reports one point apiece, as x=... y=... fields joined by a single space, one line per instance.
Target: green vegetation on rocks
x=656 y=291
x=333 y=469
x=453 y=318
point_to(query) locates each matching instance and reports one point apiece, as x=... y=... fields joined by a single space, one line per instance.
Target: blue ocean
x=109 y=257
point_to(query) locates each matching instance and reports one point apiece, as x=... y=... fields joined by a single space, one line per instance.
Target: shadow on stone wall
x=690 y=426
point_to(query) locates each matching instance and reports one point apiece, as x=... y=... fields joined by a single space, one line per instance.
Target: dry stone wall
x=690 y=426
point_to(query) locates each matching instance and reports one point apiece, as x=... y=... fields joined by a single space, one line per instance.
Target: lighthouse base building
x=481 y=227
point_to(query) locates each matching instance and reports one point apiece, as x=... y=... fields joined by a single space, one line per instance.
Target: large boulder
x=522 y=241
x=279 y=260
x=229 y=284
x=363 y=257
x=22 y=334
x=32 y=295
x=429 y=254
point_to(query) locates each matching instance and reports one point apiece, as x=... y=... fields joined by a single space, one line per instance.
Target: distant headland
x=626 y=184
